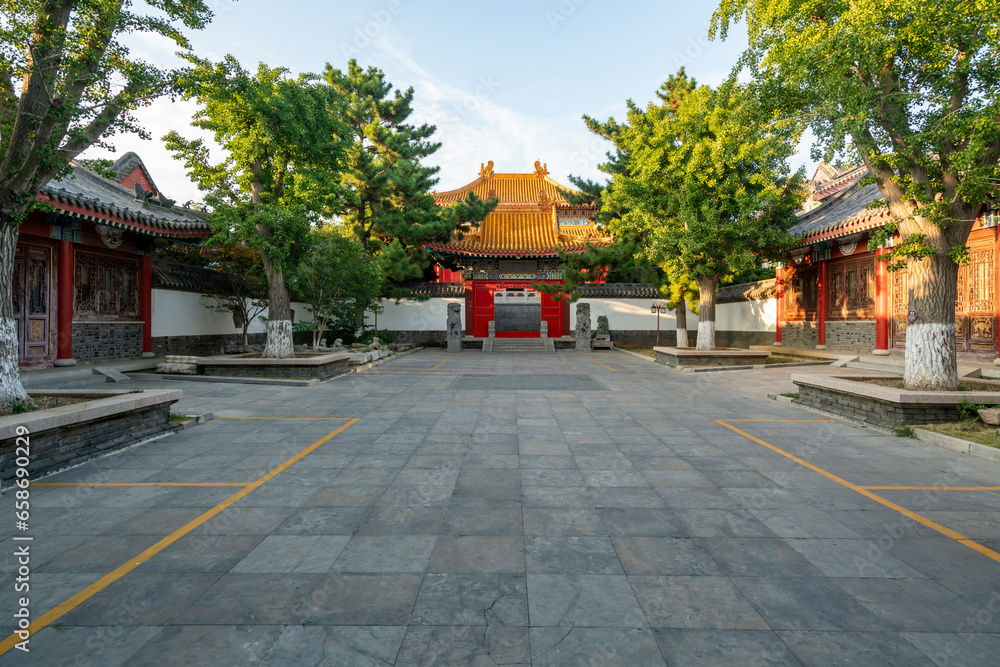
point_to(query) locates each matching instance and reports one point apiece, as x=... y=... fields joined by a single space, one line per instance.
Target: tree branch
x=36 y=106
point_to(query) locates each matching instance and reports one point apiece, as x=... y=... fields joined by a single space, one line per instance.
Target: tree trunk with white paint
x=931 y=353
x=707 y=288
x=11 y=390
x=682 y=325
x=279 y=313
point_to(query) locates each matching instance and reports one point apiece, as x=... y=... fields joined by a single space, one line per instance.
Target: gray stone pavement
x=545 y=509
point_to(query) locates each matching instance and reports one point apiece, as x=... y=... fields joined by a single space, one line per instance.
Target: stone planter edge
x=113 y=403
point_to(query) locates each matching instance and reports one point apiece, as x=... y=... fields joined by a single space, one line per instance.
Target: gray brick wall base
x=63 y=447
x=874 y=411
x=97 y=341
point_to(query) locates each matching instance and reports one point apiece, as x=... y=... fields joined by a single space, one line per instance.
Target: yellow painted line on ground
x=443 y=363
x=74 y=601
x=958 y=537
x=294 y=419
x=781 y=420
x=932 y=488
x=139 y=484
x=597 y=362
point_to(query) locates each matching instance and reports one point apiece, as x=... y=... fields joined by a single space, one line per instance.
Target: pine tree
x=384 y=190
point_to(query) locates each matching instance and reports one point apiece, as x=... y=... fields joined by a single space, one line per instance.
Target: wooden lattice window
x=852 y=289
x=979 y=277
x=106 y=285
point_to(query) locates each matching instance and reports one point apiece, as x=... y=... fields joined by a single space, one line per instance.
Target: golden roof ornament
x=486 y=170
x=543 y=198
x=541 y=169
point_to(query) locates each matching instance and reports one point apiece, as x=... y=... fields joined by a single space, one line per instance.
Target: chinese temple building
x=514 y=247
x=833 y=293
x=82 y=282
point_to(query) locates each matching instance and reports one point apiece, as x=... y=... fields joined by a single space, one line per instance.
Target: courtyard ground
x=545 y=509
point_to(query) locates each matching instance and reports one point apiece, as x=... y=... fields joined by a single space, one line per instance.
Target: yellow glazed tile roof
x=525 y=221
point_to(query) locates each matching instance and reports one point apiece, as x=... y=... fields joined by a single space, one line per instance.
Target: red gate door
x=552 y=312
x=482 y=310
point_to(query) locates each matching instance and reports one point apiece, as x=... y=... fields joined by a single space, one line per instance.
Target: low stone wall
x=873 y=411
x=322 y=367
x=626 y=337
x=60 y=437
x=422 y=338
x=687 y=356
x=884 y=406
x=96 y=341
x=200 y=346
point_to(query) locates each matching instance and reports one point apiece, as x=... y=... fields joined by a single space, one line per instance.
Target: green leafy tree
x=283 y=140
x=67 y=82
x=706 y=186
x=624 y=260
x=241 y=288
x=911 y=89
x=337 y=279
x=384 y=193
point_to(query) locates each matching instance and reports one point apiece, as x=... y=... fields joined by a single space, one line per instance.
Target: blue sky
x=506 y=81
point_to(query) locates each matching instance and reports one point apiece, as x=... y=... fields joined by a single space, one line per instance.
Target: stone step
x=883 y=361
x=881 y=368
x=110 y=374
x=518 y=345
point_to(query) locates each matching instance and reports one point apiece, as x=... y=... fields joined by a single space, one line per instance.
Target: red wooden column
x=64 y=311
x=779 y=294
x=821 y=302
x=881 y=305
x=146 y=303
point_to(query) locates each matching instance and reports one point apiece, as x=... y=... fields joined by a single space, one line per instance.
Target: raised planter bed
x=676 y=357
x=319 y=366
x=888 y=407
x=71 y=434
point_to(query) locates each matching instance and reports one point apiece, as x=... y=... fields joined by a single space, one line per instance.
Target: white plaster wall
x=623 y=314
x=757 y=315
x=634 y=315
x=185 y=314
x=408 y=315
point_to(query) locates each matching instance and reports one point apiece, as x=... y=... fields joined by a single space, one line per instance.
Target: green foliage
x=706 y=183
x=383 y=192
x=337 y=279
x=968 y=411
x=793 y=395
x=282 y=141
x=385 y=337
x=68 y=81
x=904 y=431
x=19 y=407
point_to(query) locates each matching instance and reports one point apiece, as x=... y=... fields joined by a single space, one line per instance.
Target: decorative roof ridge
x=762 y=289
x=124 y=166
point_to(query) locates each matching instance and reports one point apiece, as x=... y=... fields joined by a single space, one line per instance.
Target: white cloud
x=473 y=128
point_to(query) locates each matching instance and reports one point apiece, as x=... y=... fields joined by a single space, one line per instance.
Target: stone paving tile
x=851 y=648
x=469 y=645
x=566 y=600
x=695 y=602
x=538 y=526
x=686 y=647
x=358 y=646
x=184 y=645
x=472 y=599
x=807 y=603
x=594 y=647
x=574 y=555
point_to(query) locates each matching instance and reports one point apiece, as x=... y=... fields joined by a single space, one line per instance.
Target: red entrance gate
x=479 y=309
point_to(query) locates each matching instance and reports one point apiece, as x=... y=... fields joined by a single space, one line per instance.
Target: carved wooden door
x=975 y=302
x=900 y=298
x=18 y=296
x=36 y=304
